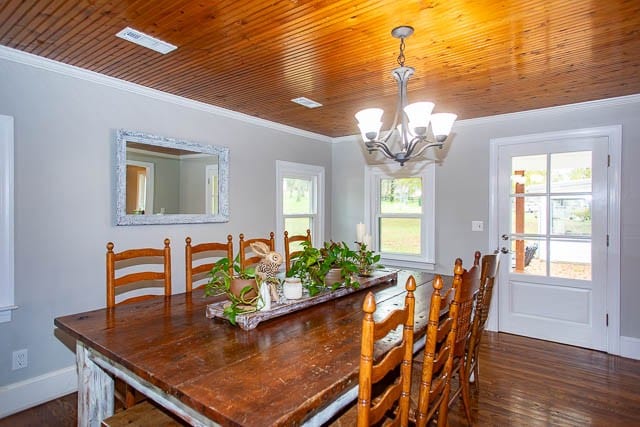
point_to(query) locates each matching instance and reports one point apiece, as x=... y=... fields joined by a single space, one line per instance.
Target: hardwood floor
x=524 y=382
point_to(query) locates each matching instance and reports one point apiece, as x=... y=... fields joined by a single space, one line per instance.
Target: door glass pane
x=571 y=216
x=571 y=260
x=529 y=257
x=529 y=174
x=529 y=215
x=297 y=197
x=296 y=226
x=401 y=195
x=571 y=172
x=400 y=235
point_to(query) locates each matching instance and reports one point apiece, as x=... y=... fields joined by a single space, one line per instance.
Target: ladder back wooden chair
x=140 y=271
x=391 y=402
x=131 y=260
x=246 y=255
x=490 y=266
x=462 y=308
x=294 y=241
x=200 y=259
x=430 y=376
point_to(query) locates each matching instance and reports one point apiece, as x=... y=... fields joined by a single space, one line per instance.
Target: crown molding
x=25 y=58
x=600 y=103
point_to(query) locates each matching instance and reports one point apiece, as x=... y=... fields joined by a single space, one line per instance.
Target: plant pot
x=334 y=275
x=237 y=285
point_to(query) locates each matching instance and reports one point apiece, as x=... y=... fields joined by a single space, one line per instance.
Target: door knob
x=504 y=250
x=505 y=237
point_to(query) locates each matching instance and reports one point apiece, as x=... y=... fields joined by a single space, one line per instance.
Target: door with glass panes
x=552 y=203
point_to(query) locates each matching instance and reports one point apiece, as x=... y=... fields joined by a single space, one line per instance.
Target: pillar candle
x=360 y=230
x=367 y=241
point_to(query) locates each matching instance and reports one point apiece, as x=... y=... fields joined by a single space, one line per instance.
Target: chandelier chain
x=401 y=55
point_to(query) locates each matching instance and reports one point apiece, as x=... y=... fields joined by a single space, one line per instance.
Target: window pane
x=528 y=215
x=570 y=259
x=400 y=235
x=529 y=257
x=297 y=197
x=529 y=174
x=571 y=172
x=401 y=195
x=571 y=215
x=297 y=226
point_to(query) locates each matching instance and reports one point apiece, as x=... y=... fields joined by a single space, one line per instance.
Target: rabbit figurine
x=269 y=264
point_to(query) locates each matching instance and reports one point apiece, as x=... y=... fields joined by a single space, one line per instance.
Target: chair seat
x=142 y=414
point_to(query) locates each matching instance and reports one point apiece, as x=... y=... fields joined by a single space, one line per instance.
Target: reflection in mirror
x=169 y=181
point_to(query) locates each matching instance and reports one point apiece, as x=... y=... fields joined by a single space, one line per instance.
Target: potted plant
x=366 y=260
x=241 y=289
x=313 y=265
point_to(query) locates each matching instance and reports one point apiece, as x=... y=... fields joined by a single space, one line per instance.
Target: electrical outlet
x=20 y=359
x=477 y=226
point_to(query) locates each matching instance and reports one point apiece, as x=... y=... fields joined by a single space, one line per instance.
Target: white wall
x=64 y=198
x=463 y=180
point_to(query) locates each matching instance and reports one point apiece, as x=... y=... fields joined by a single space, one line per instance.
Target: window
x=400 y=213
x=300 y=201
x=6 y=219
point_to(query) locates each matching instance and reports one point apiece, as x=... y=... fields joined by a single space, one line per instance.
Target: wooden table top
x=279 y=373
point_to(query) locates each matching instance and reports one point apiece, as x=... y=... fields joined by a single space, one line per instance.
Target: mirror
x=170 y=181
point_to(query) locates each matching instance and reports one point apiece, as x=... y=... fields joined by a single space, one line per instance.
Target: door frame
x=614 y=135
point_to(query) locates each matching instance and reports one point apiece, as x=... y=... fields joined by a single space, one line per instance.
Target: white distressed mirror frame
x=124 y=136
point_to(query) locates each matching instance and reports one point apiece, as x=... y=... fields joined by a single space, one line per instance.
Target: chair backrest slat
x=288 y=241
x=246 y=261
x=396 y=396
x=212 y=252
x=140 y=258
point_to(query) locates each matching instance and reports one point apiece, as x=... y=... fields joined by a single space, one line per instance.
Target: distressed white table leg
x=95 y=390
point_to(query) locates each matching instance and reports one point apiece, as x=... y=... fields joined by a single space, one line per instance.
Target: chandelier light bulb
x=370 y=122
x=419 y=114
x=441 y=125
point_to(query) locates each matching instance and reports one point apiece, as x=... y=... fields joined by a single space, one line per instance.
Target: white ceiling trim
x=600 y=103
x=18 y=56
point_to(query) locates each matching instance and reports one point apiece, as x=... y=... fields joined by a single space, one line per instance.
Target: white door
x=552 y=222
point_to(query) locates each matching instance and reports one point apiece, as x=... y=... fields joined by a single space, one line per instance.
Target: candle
x=360 y=230
x=367 y=241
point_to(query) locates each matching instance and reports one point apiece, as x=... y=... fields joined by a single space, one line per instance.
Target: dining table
x=297 y=369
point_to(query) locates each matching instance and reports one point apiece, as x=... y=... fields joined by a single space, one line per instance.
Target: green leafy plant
x=220 y=282
x=367 y=260
x=312 y=265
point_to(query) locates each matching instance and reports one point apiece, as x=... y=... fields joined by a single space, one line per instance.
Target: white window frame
x=315 y=173
x=423 y=170
x=7 y=283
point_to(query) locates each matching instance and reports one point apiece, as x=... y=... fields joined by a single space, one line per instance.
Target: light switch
x=477 y=226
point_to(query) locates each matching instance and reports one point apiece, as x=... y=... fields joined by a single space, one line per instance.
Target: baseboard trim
x=26 y=394
x=630 y=347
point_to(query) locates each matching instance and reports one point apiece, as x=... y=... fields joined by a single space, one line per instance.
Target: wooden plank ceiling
x=474 y=58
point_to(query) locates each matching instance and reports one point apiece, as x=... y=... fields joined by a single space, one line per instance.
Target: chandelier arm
x=427 y=146
x=380 y=146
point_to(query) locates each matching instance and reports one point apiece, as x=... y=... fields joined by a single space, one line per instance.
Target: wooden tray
x=249 y=321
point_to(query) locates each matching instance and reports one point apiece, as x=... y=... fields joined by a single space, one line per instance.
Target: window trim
x=7 y=283
x=426 y=171
x=285 y=169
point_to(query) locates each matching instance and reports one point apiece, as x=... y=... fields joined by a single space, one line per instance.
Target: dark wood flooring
x=523 y=382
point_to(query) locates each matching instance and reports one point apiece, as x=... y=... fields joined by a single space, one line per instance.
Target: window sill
x=5 y=313
x=414 y=265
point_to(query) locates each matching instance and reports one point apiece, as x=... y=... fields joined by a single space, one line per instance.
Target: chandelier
x=411 y=123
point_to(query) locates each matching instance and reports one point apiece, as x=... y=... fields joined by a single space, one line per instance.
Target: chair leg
x=466 y=399
x=130 y=396
x=476 y=373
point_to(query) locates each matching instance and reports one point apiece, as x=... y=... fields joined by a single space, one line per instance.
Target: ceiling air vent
x=306 y=102
x=145 y=40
